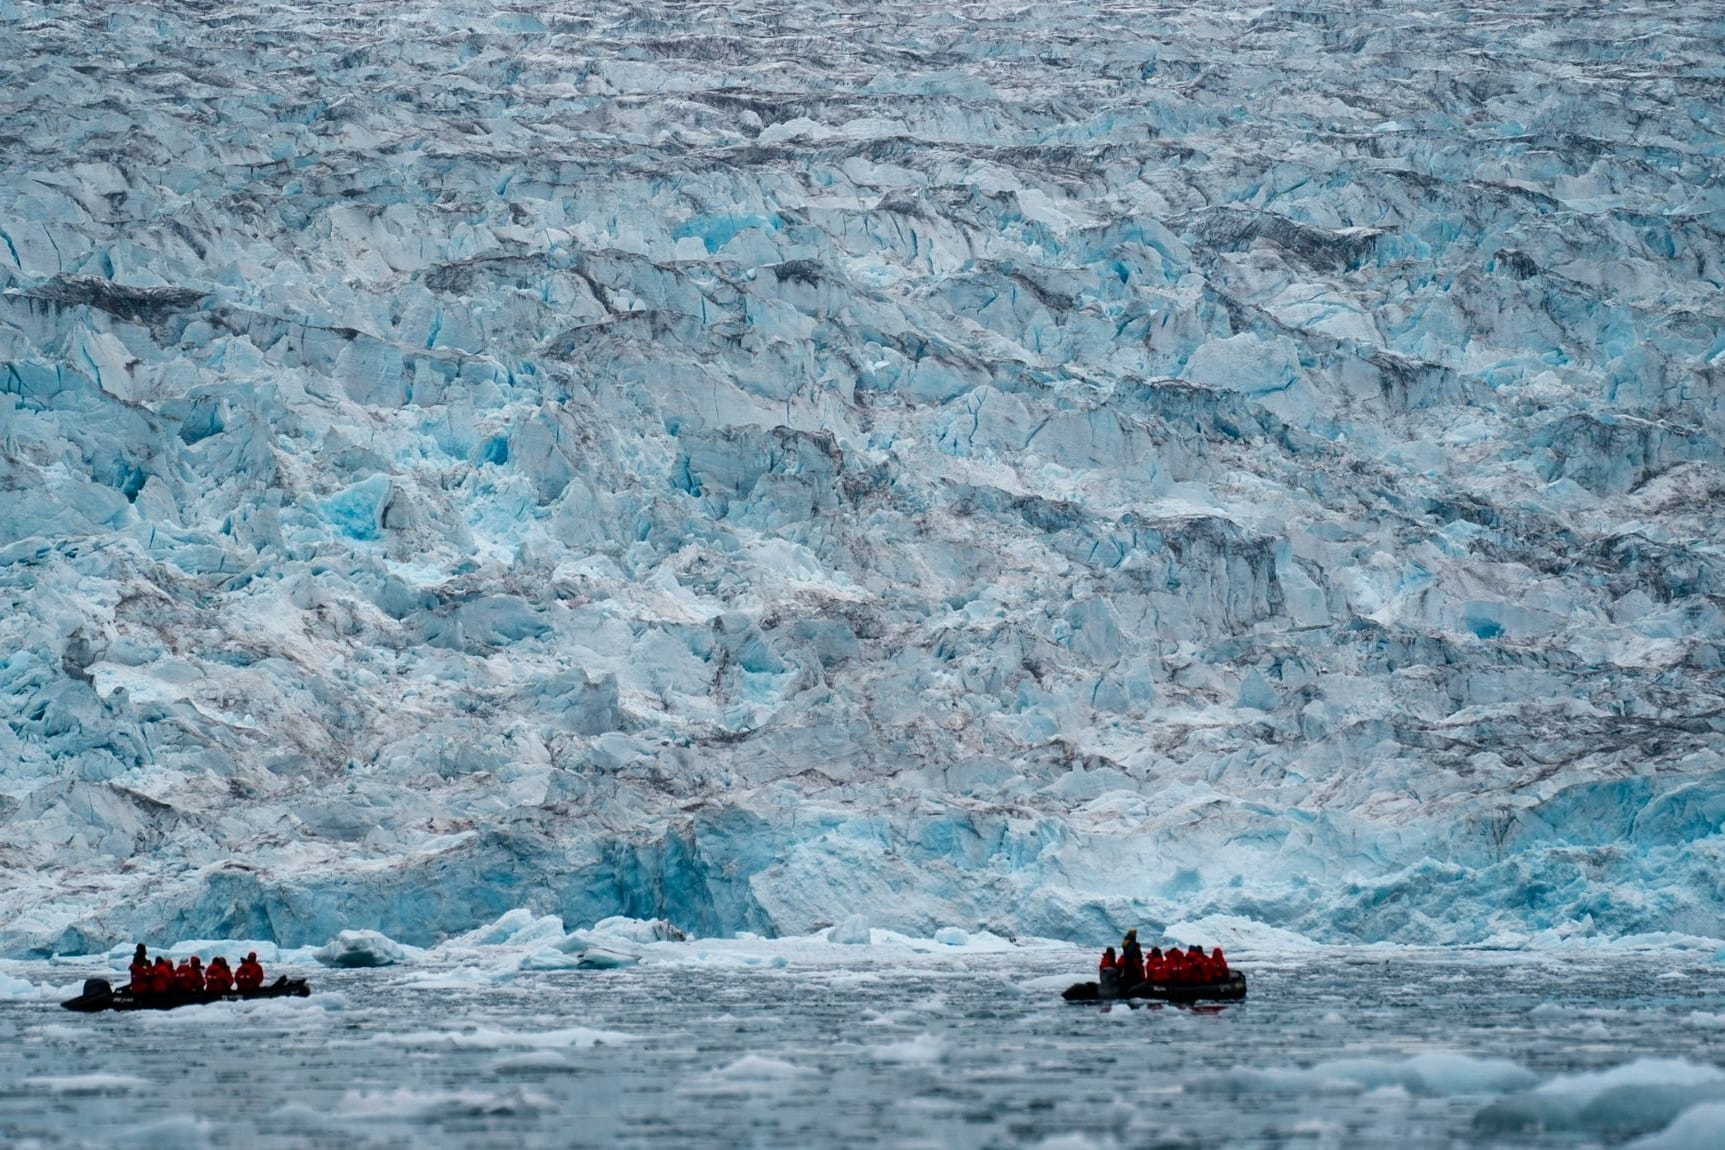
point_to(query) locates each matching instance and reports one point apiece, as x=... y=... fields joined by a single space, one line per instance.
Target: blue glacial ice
x=1032 y=469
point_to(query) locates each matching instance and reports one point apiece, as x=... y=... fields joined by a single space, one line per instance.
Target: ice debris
x=1431 y=1074
x=362 y=948
x=1700 y=1127
x=1636 y=1097
x=853 y=931
x=638 y=930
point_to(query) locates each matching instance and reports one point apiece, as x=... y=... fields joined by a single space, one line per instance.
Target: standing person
x=1131 y=960
x=1131 y=968
x=141 y=972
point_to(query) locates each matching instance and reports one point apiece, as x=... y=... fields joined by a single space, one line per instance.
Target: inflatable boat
x=1230 y=989
x=98 y=995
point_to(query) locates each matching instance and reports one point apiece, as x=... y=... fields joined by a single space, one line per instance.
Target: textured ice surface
x=361 y=948
x=871 y=1046
x=1037 y=468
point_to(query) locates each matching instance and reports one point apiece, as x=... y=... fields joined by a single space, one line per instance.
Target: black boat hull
x=1230 y=989
x=98 y=996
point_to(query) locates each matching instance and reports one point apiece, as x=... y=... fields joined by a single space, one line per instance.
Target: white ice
x=1200 y=473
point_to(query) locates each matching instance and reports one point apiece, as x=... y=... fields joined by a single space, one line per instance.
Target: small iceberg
x=605 y=958
x=638 y=929
x=853 y=931
x=361 y=948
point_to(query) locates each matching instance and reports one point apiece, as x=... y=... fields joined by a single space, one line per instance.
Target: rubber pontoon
x=98 y=995
x=1230 y=989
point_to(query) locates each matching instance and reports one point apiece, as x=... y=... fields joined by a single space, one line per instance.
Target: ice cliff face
x=1041 y=466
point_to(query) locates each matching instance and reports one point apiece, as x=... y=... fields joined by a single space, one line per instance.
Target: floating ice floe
x=853 y=931
x=491 y=1038
x=1434 y=1074
x=638 y=930
x=1700 y=1127
x=88 y=1083
x=363 y=948
x=386 y=1105
x=1644 y=1095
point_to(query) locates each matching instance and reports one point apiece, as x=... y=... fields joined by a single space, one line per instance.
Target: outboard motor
x=96 y=987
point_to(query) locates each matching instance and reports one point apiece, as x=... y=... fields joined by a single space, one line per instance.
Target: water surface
x=1341 y=1050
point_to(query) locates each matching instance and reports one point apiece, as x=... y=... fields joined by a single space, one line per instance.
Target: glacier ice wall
x=1038 y=466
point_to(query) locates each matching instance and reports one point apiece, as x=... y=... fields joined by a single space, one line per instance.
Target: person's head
x=1132 y=935
x=251 y=956
x=1155 y=952
x=139 y=953
x=1215 y=952
x=196 y=961
x=1195 y=951
x=1108 y=953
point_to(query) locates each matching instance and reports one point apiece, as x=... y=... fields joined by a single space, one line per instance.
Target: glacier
x=1030 y=468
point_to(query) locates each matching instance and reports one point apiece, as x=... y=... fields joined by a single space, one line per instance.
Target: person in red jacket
x=1218 y=965
x=1155 y=966
x=250 y=974
x=1108 y=974
x=190 y=974
x=1177 y=972
x=141 y=972
x=218 y=978
x=161 y=976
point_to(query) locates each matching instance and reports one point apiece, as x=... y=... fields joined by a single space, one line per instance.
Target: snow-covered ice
x=1026 y=470
x=361 y=948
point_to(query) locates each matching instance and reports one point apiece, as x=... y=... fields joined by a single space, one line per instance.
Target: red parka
x=249 y=975
x=218 y=977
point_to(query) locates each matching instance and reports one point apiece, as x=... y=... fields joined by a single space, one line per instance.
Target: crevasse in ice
x=1032 y=468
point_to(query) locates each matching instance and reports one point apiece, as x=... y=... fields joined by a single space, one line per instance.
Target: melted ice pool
x=1343 y=1049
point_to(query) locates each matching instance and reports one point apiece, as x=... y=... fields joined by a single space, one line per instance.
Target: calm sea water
x=1343 y=1050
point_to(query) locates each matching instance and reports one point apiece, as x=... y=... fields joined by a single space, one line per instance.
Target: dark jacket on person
x=1131 y=964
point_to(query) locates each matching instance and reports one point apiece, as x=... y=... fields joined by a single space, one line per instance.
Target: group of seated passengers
x=1175 y=968
x=163 y=977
